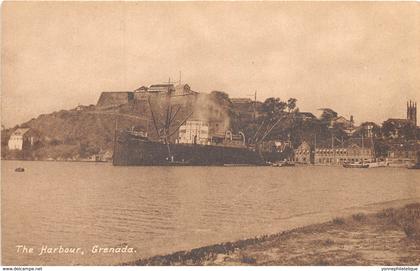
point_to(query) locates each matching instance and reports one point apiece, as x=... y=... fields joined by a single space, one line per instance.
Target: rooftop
x=161 y=85
x=20 y=131
x=307 y=114
x=398 y=120
x=240 y=100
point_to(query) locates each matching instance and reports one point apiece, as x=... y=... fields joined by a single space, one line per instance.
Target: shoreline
x=177 y=165
x=387 y=237
x=46 y=160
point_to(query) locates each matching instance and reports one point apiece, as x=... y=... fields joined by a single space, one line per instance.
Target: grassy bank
x=388 y=237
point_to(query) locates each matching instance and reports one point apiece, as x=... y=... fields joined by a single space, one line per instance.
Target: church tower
x=412 y=112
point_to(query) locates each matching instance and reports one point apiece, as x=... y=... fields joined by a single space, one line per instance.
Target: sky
x=360 y=59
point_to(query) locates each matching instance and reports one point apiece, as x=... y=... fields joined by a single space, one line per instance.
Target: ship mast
x=363 y=149
x=153 y=118
x=170 y=115
x=168 y=124
x=115 y=136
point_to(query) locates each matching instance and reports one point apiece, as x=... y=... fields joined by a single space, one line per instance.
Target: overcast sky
x=360 y=59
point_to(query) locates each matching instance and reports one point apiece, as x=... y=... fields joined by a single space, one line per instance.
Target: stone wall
x=109 y=99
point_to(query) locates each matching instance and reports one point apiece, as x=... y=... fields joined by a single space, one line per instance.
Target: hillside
x=79 y=133
x=72 y=134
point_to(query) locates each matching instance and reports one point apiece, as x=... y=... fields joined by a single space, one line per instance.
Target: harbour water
x=159 y=210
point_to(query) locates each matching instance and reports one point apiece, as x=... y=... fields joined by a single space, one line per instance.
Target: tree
x=403 y=130
x=409 y=131
x=291 y=104
x=328 y=115
x=272 y=108
x=388 y=128
x=375 y=130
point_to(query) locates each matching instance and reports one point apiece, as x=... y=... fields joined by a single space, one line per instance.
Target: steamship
x=134 y=148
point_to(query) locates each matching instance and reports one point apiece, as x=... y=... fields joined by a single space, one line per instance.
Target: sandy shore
x=387 y=237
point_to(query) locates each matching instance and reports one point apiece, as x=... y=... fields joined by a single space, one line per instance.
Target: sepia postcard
x=210 y=134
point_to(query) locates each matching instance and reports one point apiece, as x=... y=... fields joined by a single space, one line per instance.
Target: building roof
x=240 y=100
x=399 y=123
x=398 y=120
x=367 y=144
x=307 y=115
x=142 y=88
x=162 y=85
x=182 y=89
x=341 y=119
x=20 y=131
x=161 y=88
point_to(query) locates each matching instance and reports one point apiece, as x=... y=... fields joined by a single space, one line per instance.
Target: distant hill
x=89 y=130
x=74 y=134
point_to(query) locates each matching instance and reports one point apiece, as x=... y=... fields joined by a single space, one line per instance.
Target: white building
x=21 y=138
x=194 y=132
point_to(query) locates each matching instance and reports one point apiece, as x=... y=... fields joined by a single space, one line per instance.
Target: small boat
x=355 y=165
x=415 y=166
x=283 y=164
x=19 y=169
x=377 y=164
x=236 y=165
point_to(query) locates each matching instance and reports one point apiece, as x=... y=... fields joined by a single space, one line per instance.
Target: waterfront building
x=22 y=138
x=354 y=150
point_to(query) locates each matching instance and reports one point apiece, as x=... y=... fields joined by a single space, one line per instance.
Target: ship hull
x=137 y=152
